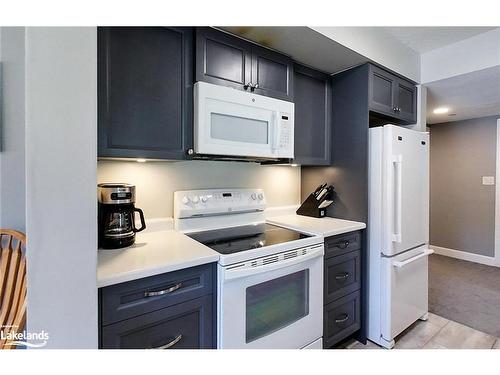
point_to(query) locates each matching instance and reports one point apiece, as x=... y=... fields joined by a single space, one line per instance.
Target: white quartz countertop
x=163 y=251
x=326 y=226
x=152 y=254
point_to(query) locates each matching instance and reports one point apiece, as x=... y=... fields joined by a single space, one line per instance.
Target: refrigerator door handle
x=398 y=164
x=408 y=261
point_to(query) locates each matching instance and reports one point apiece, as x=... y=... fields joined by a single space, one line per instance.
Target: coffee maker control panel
x=196 y=203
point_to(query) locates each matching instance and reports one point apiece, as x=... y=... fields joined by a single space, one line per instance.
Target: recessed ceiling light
x=294 y=165
x=441 y=110
x=140 y=160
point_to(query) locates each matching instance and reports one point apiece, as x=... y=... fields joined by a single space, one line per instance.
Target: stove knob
x=185 y=200
x=195 y=199
x=254 y=196
x=261 y=196
x=204 y=199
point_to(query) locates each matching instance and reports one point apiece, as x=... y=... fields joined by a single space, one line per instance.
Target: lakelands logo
x=27 y=339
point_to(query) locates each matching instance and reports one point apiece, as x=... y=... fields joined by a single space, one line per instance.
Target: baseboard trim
x=463 y=255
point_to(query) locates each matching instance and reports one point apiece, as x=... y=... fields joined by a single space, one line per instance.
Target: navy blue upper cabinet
x=227 y=60
x=145 y=92
x=313 y=116
x=222 y=59
x=406 y=100
x=272 y=73
x=392 y=96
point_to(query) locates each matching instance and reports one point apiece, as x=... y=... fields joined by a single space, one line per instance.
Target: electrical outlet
x=488 y=180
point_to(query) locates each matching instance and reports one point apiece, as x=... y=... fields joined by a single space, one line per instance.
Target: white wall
x=1 y=124
x=377 y=45
x=12 y=155
x=421 y=124
x=61 y=174
x=157 y=181
x=479 y=52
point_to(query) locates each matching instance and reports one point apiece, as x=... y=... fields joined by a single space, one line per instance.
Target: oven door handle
x=252 y=271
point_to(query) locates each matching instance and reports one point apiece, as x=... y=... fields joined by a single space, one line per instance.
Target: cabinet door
x=145 y=92
x=381 y=91
x=406 y=100
x=187 y=325
x=272 y=74
x=222 y=59
x=313 y=116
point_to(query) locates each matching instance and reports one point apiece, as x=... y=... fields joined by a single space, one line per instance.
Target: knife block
x=310 y=207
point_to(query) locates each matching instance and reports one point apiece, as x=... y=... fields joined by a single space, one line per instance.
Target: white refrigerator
x=398 y=232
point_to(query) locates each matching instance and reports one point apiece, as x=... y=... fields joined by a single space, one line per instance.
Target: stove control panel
x=195 y=203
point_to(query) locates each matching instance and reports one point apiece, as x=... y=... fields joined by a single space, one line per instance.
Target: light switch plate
x=488 y=180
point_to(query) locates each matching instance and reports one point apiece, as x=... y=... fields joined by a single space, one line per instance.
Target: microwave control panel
x=286 y=131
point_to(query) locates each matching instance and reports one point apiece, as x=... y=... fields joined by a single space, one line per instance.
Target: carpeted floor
x=466 y=292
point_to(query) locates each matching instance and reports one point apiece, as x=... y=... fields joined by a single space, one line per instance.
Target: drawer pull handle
x=170 y=344
x=342 y=276
x=344 y=319
x=162 y=292
x=342 y=245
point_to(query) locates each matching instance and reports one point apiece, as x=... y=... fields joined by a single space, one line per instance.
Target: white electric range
x=270 y=279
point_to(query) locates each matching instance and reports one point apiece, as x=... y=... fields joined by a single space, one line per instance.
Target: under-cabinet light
x=441 y=110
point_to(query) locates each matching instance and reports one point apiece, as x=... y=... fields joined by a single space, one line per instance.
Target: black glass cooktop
x=234 y=240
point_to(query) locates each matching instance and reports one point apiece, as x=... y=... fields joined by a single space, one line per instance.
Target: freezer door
x=404 y=290
x=405 y=189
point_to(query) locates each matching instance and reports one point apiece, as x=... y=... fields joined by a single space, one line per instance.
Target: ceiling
x=303 y=44
x=470 y=95
x=424 y=39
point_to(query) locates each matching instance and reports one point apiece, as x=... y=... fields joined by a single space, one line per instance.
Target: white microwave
x=233 y=123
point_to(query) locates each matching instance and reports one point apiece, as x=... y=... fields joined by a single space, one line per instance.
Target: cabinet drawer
x=187 y=325
x=343 y=243
x=342 y=275
x=137 y=297
x=341 y=319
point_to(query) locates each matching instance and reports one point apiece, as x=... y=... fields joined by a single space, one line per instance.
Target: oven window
x=276 y=303
x=238 y=129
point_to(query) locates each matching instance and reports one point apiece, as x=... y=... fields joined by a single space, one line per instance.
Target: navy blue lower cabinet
x=137 y=297
x=342 y=318
x=175 y=310
x=342 y=287
x=187 y=325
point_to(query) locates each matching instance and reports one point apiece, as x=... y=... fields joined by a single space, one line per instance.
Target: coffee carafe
x=116 y=216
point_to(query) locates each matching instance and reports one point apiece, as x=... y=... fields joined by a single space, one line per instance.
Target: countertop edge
x=140 y=274
x=350 y=227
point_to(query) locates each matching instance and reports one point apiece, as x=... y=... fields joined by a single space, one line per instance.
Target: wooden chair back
x=12 y=285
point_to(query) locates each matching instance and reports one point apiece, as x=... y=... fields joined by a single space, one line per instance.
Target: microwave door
x=235 y=129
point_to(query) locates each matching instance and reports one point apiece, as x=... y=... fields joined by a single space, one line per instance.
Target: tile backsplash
x=156 y=181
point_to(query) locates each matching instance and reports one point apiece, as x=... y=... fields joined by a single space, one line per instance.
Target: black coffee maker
x=116 y=216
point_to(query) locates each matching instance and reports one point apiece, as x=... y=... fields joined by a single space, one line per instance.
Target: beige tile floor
x=437 y=333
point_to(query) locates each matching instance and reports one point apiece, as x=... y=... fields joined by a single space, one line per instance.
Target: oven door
x=272 y=306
